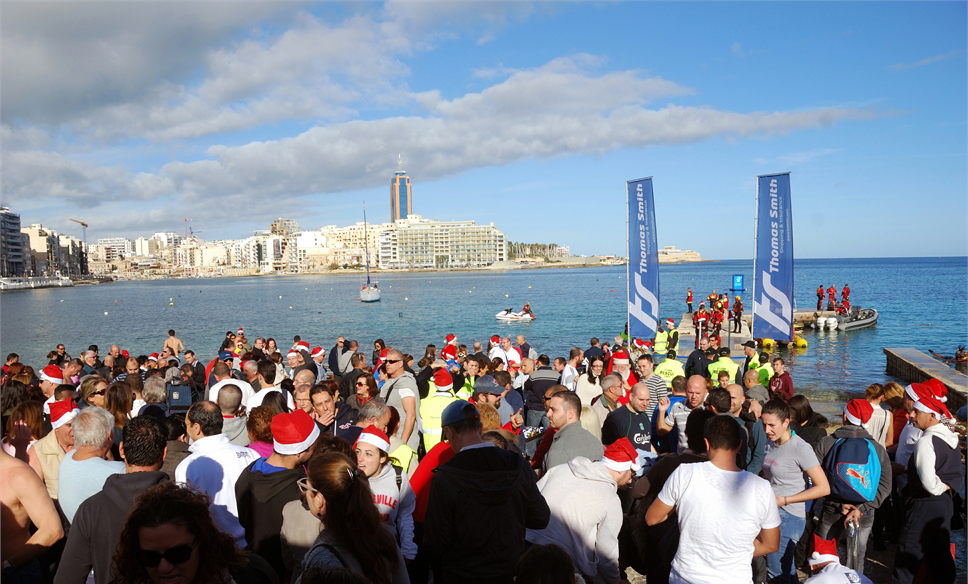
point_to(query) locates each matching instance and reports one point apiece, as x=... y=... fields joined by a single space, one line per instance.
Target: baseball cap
x=454 y=413
x=486 y=384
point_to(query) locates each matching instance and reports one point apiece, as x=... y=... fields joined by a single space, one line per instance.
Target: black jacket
x=93 y=536
x=696 y=364
x=537 y=384
x=481 y=502
x=345 y=417
x=261 y=498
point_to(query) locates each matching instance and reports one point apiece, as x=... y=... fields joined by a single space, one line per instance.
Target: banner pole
x=756 y=226
x=628 y=251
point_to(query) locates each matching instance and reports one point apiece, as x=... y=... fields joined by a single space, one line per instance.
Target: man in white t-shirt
x=675 y=416
x=569 y=375
x=223 y=377
x=726 y=515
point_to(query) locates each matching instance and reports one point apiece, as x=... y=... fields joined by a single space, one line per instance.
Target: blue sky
x=132 y=116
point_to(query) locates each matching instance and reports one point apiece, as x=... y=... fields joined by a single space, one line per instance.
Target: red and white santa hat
x=621 y=456
x=293 y=433
x=153 y=357
x=240 y=332
x=670 y=321
x=443 y=380
x=375 y=436
x=317 y=352
x=292 y=353
x=824 y=550
x=62 y=412
x=932 y=405
x=858 y=411
x=938 y=389
x=52 y=374
x=302 y=346
x=495 y=340
x=450 y=338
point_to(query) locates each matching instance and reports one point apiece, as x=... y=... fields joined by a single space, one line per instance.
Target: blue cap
x=486 y=384
x=454 y=412
x=223 y=355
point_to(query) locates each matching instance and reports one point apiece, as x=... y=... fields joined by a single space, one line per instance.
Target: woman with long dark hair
x=378 y=347
x=589 y=385
x=796 y=477
x=169 y=536
x=353 y=536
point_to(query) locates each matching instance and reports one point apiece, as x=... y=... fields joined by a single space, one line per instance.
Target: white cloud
x=737 y=49
x=926 y=61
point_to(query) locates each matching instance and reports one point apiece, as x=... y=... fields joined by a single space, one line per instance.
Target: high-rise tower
x=400 y=195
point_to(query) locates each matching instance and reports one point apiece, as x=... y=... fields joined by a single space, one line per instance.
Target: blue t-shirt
x=265 y=468
x=78 y=480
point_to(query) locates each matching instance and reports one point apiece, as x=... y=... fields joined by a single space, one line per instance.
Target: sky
x=133 y=116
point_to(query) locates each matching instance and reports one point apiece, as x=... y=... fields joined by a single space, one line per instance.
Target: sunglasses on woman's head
x=176 y=555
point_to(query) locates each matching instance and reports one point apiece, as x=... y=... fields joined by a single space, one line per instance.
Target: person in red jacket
x=845 y=293
x=689 y=299
x=700 y=319
x=820 y=297
x=832 y=294
x=781 y=384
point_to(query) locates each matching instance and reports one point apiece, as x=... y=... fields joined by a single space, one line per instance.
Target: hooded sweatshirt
x=395 y=506
x=937 y=462
x=235 y=429
x=586 y=516
x=97 y=525
x=481 y=501
x=261 y=495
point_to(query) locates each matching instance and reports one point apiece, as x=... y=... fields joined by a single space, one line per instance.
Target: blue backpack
x=853 y=469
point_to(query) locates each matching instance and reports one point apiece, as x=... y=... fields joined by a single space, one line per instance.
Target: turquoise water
x=923 y=303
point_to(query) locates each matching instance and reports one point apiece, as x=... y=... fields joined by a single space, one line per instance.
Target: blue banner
x=773 y=259
x=643 y=266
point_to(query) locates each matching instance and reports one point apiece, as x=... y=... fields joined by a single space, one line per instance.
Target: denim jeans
x=780 y=565
x=535 y=418
x=832 y=527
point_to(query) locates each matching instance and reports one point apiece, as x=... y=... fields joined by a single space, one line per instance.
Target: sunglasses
x=176 y=555
x=361 y=384
x=304 y=486
x=393 y=360
x=99 y=392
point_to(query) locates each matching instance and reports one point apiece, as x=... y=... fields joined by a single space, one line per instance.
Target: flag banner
x=643 y=266
x=773 y=259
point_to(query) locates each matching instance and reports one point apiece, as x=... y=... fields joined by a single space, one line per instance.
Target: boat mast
x=366 y=249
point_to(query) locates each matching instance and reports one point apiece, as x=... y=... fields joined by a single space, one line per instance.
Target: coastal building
x=415 y=243
x=167 y=238
x=51 y=253
x=670 y=255
x=147 y=247
x=401 y=200
x=118 y=246
x=284 y=227
x=11 y=244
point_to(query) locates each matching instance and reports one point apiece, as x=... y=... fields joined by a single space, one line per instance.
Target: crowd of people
x=479 y=463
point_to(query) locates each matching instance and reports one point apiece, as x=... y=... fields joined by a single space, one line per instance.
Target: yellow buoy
x=171 y=302
x=505 y=295
x=768 y=344
x=529 y=287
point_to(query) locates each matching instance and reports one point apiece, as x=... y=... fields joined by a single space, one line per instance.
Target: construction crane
x=84 y=229
x=186 y=227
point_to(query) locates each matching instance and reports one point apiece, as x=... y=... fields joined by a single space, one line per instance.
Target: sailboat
x=370 y=291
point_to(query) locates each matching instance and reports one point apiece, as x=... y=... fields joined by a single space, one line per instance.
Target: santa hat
x=858 y=411
x=495 y=340
x=621 y=456
x=938 y=389
x=317 y=352
x=124 y=353
x=292 y=353
x=293 y=433
x=443 y=380
x=912 y=392
x=824 y=550
x=450 y=338
x=302 y=346
x=62 y=412
x=639 y=343
x=620 y=358
x=670 y=321
x=52 y=374
x=373 y=435
x=240 y=330
x=153 y=357
x=932 y=405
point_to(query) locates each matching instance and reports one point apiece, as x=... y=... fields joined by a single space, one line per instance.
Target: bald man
x=675 y=416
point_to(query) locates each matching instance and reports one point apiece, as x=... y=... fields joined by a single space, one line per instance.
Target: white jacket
x=213 y=466
x=586 y=516
x=396 y=506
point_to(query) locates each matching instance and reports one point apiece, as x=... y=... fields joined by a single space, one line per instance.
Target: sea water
x=923 y=303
